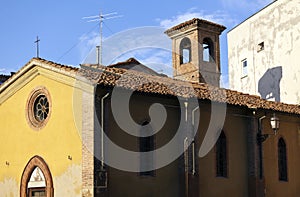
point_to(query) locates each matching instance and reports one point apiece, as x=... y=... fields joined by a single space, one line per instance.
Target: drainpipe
x=102 y=129
x=186 y=156
x=260 y=148
x=193 y=143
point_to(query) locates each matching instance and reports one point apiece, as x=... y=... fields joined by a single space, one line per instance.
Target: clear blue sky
x=65 y=36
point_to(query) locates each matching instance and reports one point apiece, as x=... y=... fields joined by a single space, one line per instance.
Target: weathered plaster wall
x=72 y=176
x=59 y=139
x=273 y=72
x=9 y=187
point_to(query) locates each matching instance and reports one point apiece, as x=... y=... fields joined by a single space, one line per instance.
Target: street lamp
x=274 y=121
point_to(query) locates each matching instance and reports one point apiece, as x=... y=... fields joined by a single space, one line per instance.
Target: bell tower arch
x=196 y=51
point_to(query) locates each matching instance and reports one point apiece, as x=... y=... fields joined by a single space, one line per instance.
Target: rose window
x=41 y=108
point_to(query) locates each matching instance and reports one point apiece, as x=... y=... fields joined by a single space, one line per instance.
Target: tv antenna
x=101 y=17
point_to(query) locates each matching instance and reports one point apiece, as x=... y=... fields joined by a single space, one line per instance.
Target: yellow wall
x=58 y=139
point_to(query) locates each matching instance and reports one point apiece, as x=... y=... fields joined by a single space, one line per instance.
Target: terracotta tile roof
x=138 y=81
x=3 y=78
x=197 y=22
x=129 y=61
x=133 y=80
x=133 y=64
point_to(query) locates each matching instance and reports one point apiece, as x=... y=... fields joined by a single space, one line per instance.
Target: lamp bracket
x=261 y=138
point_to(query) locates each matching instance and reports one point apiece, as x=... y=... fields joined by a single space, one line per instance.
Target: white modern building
x=264 y=51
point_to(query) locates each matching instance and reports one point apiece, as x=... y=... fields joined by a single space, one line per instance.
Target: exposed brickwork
x=198 y=32
x=87 y=144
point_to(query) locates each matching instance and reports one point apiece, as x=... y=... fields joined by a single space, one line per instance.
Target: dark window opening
x=185 y=51
x=208 y=50
x=221 y=156
x=282 y=160
x=146 y=147
x=37 y=192
x=244 y=68
x=260 y=46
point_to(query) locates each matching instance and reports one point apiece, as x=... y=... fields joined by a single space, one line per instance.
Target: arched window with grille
x=282 y=160
x=221 y=156
x=185 y=51
x=146 y=146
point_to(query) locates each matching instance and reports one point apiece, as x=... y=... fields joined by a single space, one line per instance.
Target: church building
x=125 y=130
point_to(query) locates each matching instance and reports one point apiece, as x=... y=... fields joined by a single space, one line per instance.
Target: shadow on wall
x=269 y=84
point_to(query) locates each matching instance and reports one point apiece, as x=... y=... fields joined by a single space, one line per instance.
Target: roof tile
x=138 y=81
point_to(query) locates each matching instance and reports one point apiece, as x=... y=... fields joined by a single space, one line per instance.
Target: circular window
x=41 y=108
x=38 y=108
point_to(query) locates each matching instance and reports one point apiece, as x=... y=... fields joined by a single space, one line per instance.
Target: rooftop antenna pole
x=37 y=46
x=101 y=17
x=98 y=54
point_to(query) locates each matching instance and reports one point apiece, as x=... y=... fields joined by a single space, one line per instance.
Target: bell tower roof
x=195 y=23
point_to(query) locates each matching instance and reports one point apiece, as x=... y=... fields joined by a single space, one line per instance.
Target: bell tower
x=196 y=51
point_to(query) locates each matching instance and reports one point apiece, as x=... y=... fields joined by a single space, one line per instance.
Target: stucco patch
x=69 y=183
x=9 y=188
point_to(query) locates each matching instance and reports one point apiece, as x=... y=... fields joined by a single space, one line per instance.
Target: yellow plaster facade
x=19 y=142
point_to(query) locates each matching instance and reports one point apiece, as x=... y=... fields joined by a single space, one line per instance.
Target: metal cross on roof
x=37 y=46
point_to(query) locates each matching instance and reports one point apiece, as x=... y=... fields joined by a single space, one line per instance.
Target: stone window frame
x=208 y=49
x=29 y=110
x=34 y=162
x=185 y=45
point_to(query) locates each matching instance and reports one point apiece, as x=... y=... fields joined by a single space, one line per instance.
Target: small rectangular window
x=244 y=68
x=260 y=46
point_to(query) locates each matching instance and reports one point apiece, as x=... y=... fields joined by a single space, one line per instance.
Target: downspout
x=260 y=147
x=186 y=156
x=102 y=129
x=193 y=143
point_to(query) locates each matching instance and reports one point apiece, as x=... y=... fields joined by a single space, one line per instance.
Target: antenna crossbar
x=101 y=17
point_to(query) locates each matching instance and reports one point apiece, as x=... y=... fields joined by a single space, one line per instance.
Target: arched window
x=221 y=156
x=37 y=184
x=208 y=50
x=282 y=160
x=146 y=147
x=185 y=51
x=36 y=179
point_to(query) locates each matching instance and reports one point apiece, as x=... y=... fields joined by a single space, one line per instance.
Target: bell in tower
x=196 y=51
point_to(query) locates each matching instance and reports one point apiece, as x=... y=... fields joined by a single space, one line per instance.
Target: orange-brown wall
x=289 y=131
x=167 y=181
x=236 y=184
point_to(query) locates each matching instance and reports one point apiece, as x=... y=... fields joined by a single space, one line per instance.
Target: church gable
x=38 y=118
